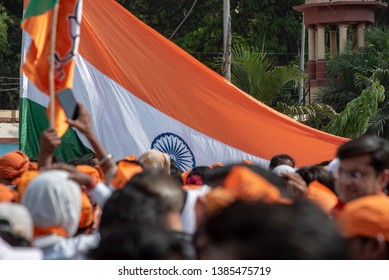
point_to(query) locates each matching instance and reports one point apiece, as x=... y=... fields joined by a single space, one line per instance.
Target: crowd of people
x=145 y=208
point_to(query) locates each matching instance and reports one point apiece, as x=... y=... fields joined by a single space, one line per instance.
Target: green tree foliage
x=253 y=22
x=255 y=73
x=10 y=48
x=353 y=72
x=270 y=21
x=382 y=15
x=344 y=72
x=316 y=115
x=5 y=20
x=354 y=120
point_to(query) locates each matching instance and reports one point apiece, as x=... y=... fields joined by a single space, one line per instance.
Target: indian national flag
x=145 y=92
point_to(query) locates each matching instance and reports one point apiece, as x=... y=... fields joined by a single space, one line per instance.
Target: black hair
x=277 y=160
x=11 y=238
x=319 y=173
x=162 y=185
x=141 y=241
x=275 y=231
x=376 y=147
x=216 y=177
x=83 y=160
x=202 y=171
x=130 y=206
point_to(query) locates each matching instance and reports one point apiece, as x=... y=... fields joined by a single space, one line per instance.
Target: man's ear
x=384 y=178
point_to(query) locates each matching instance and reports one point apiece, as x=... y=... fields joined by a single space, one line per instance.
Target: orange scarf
x=41 y=231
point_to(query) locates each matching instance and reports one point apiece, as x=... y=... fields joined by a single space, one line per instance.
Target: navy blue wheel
x=176 y=148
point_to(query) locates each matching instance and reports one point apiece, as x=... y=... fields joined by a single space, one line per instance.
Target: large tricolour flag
x=145 y=92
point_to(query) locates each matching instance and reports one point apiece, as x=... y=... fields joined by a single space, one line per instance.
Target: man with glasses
x=363 y=209
x=363 y=169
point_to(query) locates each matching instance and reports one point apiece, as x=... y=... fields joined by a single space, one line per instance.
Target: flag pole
x=52 y=63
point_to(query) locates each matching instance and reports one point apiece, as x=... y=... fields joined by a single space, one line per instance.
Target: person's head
x=217 y=176
x=16 y=226
x=167 y=189
x=130 y=206
x=141 y=241
x=363 y=168
x=13 y=165
x=257 y=230
x=54 y=202
x=198 y=175
x=364 y=223
x=154 y=159
x=281 y=159
x=125 y=170
x=162 y=185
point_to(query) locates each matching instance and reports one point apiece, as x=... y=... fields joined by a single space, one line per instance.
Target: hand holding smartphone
x=68 y=102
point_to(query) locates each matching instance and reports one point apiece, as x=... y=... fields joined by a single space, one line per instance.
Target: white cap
x=19 y=219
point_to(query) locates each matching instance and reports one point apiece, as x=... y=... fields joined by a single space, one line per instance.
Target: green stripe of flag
x=33 y=121
x=38 y=7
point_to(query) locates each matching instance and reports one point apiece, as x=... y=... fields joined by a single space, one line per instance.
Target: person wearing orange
x=364 y=223
x=126 y=169
x=54 y=202
x=7 y=194
x=363 y=169
x=13 y=165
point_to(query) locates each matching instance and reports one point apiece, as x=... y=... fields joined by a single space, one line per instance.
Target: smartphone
x=68 y=102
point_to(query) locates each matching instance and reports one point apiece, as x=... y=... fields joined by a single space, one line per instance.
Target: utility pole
x=226 y=66
x=302 y=55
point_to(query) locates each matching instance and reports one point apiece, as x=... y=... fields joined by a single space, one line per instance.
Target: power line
x=10 y=78
x=8 y=89
x=187 y=15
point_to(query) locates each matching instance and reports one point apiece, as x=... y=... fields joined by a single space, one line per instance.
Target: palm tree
x=316 y=115
x=255 y=73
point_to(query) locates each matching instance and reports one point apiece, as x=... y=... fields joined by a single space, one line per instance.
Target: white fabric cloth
x=54 y=200
x=188 y=215
x=333 y=165
x=100 y=193
x=57 y=247
x=283 y=169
